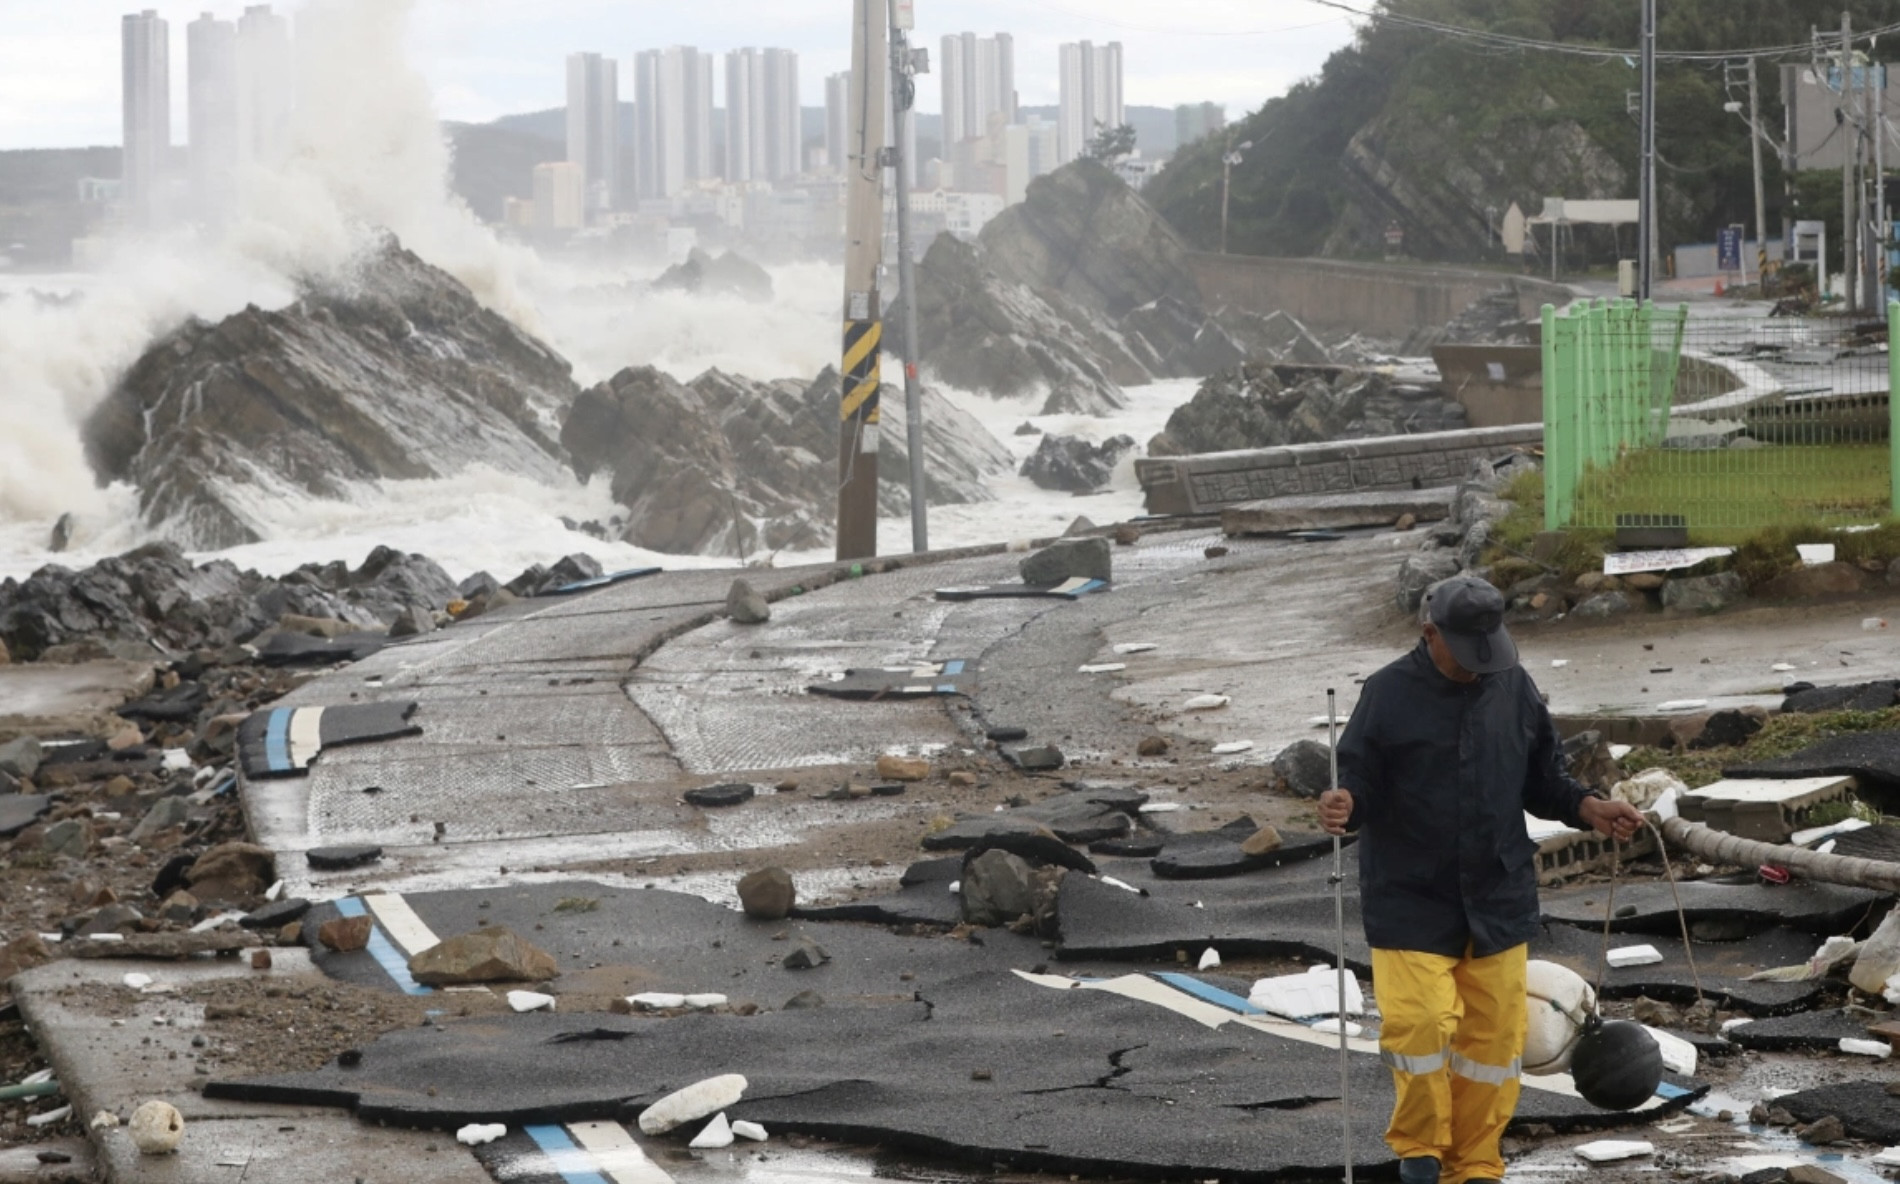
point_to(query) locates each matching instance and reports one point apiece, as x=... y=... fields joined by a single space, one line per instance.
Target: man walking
x=1447 y=749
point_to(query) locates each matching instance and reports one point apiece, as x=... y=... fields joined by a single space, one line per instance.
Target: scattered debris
x=713 y=797
x=1612 y=1150
x=477 y=1133
x=492 y=955
x=768 y=894
x=714 y=1135
x=1207 y=702
x=156 y=1128
x=693 y=1103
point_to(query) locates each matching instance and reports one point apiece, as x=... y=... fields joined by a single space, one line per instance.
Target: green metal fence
x=1723 y=425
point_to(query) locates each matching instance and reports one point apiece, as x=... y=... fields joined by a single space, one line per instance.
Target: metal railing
x=1723 y=425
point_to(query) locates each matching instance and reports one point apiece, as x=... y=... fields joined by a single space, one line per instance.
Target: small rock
x=491 y=955
x=712 y=797
x=1656 y=1015
x=1704 y=594
x=1304 y=768
x=1152 y=746
x=806 y=955
x=1127 y=535
x=902 y=768
x=246 y=868
x=165 y=813
x=996 y=888
x=1602 y=606
x=1779 y=1116
x=260 y=960
x=1068 y=559
x=156 y=1128
x=982 y=1075
x=745 y=606
x=344 y=934
x=413 y=622
x=1405 y=522
x=333 y=859
x=1813 y=1173
x=1824 y=1132
x=803 y=1001
x=1261 y=842
x=71 y=838
x=21 y=757
x=963 y=779
x=277 y=914
x=1039 y=760
x=768 y=894
x=1007 y=735
x=126 y=737
x=1214 y=553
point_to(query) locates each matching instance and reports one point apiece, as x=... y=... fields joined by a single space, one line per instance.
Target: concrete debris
x=1068 y=559
x=746 y=606
x=751 y=1131
x=345 y=934
x=902 y=768
x=1206 y=703
x=156 y=1128
x=1304 y=996
x=1613 y=1150
x=696 y=1101
x=530 y=1001
x=768 y=894
x=1643 y=955
x=493 y=955
x=1879 y=1049
x=714 y=1135
x=477 y=1133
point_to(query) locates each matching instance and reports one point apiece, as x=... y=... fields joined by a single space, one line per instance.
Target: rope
x=1609 y=915
x=1609 y=912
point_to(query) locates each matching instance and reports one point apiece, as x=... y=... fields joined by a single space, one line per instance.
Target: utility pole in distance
x=1850 y=218
x=1761 y=197
x=904 y=71
x=864 y=252
x=1646 y=236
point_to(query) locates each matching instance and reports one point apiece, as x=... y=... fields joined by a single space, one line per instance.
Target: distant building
x=593 y=126
x=560 y=196
x=673 y=106
x=979 y=81
x=781 y=116
x=1029 y=151
x=517 y=214
x=764 y=138
x=1091 y=95
x=145 y=58
x=267 y=86
x=838 y=122
x=211 y=69
x=1193 y=121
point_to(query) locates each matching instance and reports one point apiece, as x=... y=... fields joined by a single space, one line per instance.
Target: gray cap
x=1469 y=614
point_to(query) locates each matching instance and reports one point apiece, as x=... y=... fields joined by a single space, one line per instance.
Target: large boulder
x=1704 y=594
x=1068 y=559
x=492 y=955
x=395 y=370
x=1073 y=465
x=1266 y=405
x=730 y=274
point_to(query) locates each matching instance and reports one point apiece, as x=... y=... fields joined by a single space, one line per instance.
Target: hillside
x=1427 y=130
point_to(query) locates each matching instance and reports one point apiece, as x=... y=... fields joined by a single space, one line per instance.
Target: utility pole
x=863 y=319
x=1850 y=217
x=1761 y=197
x=904 y=96
x=1646 y=268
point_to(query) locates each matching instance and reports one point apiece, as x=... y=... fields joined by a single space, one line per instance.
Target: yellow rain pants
x=1453 y=1033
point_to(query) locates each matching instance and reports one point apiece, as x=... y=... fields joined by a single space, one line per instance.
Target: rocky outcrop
x=1266 y=406
x=394 y=371
x=1072 y=465
x=730 y=274
x=725 y=465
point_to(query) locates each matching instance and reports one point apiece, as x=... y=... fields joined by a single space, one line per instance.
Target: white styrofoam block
x=1678 y=1055
x=656 y=1000
x=1331 y=1028
x=716 y=1134
x=1303 y=996
x=1890 y=1158
x=1634 y=956
x=477 y=1133
x=1232 y=747
x=1611 y=1150
x=530 y=1001
x=1210 y=958
x=694 y=1102
x=1866 y=1048
x=1207 y=702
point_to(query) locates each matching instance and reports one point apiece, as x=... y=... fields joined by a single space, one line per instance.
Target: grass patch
x=1725 y=495
x=1513 y=537
x=1781 y=735
x=1770 y=551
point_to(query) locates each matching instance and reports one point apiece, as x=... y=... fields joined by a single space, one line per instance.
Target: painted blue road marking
x=383 y=950
x=1210 y=994
x=567 y=1155
x=277 y=740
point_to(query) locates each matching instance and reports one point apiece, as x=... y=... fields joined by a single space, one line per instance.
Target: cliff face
x=395 y=372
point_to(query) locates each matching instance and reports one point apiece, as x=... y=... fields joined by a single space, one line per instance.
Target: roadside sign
x=1728 y=249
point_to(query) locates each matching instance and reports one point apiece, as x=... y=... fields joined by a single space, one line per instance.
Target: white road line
x=400 y=921
x=616 y=1154
x=306 y=736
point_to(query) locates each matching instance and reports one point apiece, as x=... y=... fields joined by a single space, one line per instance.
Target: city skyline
x=59 y=64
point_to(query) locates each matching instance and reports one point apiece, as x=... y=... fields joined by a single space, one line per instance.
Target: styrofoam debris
x=1611 y=1150
x=1730 y=1025
x=1866 y=1048
x=1207 y=702
x=44 y=1075
x=1827 y=848
x=694 y=1102
x=1302 y=996
x=175 y=760
x=104 y=1120
x=1781 y=667
x=956 y=886
x=1873 y=624
x=1814 y=554
x=1678 y=1055
x=1634 y=956
x=477 y=1133
x=530 y=1001
x=275 y=892
x=1802 y=838
x=1890 y=1158
x=1619 y=751
x=656 y=1001
x=1210 y=958
x=1559 y=663
x=1126 y=647
x=210 y=923
x=1682 y=705
x=137 y=981
x=749 y=1130
x=1680 y=1126
x=105 y=937
x=1158 y=808
x=702 y=1002
x=715 y=1134
x=1331 y=1028
x=1112 y=882
x=1232 y=747
x=1102 y=668
x=50 y=1117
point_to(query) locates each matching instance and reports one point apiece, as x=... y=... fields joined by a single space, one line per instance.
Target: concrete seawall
x=1211 y=481
x=1382 y=300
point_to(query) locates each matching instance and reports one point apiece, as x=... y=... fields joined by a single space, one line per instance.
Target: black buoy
x=1617 y=1065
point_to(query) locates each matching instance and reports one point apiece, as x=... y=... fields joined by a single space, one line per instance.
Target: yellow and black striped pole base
x=858 y=442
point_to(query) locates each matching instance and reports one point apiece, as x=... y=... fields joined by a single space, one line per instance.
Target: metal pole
x=1850 y=219
x=1877 y=224
x=904 y=92
x=1339 y=925
x=1761 y=197
x=863 y=318
x=1226 y=173
x=1646 y=268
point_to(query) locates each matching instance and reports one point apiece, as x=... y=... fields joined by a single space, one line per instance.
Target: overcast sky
x=59 y=59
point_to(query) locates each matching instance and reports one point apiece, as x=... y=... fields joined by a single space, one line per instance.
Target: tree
x=1111 y=143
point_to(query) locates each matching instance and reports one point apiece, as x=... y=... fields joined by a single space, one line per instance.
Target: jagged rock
x=165 y=813
x=1083 y=525
x=395 y=370
x=1180 y=338
x=1290 y=341
x=479 y=584
x=245 y=869
x=1259 y=405
x=746 y=606
x=996 y=889
x=1304 y=768
x=806 y=954
x=1704 y=594
x=346 y=934
x=1603 y=606
x=768 y=894
x=1419 y=572
x=493 y=955
x=729 y=274
x=62 y=536
x=1726 y=729
x=71 y=838
x=1074 y=465
x=1068 y=559
x=21 y=757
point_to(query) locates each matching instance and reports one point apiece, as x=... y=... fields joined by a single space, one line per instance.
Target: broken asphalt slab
x=1865 y=1108
x=1871 y=757
x=21 y=810
x=282 y=741
x=1116 y=1087
x=1213 y=854
x=953 y=677
x=1812 y=1030
x=1821 y=909
x=1082 y=815
x=1722 y=968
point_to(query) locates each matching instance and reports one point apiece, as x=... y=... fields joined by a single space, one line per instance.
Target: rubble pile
x=1262 y=405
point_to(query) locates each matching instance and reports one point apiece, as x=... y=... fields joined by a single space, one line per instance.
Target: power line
x=1512 y=42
